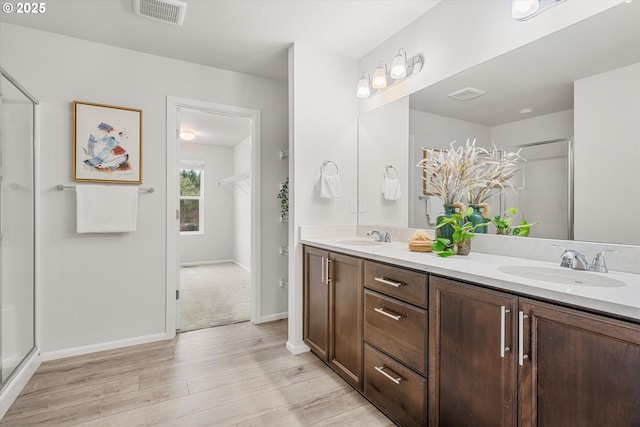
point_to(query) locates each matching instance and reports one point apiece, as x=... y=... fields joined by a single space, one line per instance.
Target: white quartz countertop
x=485 y=269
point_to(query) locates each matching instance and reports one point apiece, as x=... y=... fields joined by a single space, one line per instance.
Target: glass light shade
x=363 y=88
x=186 y=135
x=398 y=68
x=522 y=9
x=379 y=80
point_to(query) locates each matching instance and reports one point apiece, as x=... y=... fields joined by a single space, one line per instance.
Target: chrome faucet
x=379 y=237
x=572 y=258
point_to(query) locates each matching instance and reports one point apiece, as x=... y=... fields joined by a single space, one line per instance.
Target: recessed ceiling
x=539 y=75
x=247 y=36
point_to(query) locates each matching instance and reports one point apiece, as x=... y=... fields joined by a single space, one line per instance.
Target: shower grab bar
x=61 y=187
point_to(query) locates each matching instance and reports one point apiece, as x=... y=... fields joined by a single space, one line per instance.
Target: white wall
x=536 y=129
x=383 y=136
x=457 y=34
x=324 y=117
x=242 y=206
x=83 y=311
x=607 y=131
x=217 y=241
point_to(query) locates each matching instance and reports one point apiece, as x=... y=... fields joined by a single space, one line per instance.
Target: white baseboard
x=77 y=351
x=197 y=263
x=297 y=348
x=245 y=268
x=17 y=383
x=272 y=317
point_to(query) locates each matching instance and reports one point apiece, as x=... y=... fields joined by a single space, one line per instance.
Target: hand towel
x=106 y=209
x=391 y=188
x=329 y=186
x=434 y=208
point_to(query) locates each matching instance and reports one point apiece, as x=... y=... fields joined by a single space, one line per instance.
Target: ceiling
x=215 y=129
x=539 y=75
x=247 y=36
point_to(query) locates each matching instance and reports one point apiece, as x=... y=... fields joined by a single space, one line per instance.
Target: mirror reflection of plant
x=503 y=225
x=496 y=170
x=463 y=230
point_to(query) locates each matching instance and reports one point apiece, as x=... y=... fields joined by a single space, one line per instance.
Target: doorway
x=212 y=215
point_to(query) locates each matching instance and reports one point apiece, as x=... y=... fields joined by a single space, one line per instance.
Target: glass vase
x=463 y=247
x=445 y=231
x=477 y=218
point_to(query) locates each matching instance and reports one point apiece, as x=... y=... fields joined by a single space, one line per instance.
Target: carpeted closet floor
x=213 y=295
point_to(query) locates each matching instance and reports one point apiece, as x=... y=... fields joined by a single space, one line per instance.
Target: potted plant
x=504 y=227
x=463 y=232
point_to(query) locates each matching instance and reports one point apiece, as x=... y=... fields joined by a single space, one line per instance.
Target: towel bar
x=61 y=187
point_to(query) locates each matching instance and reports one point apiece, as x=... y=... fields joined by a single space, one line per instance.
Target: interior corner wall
x=536 y=129
x=242 y=206
x=125 y=303
x=607 y=131
x=216 y=243
x=324 y=116
x=456 y=35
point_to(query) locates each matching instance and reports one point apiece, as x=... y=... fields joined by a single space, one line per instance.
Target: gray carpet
x=213 y=295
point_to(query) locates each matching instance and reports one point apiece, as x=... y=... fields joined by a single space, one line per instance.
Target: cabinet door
x=580 y=370
x=346 y=317
x=316 y=302
x=472 y=374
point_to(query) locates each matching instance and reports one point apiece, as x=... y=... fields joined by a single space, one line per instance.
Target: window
x=191 y=201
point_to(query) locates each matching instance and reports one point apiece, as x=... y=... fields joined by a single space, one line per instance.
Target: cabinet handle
x=389 y=282
x=394 y=316
x=323 y=277
x=521 y=355
x=397 y=378
x=329 y=279
x=503 y=327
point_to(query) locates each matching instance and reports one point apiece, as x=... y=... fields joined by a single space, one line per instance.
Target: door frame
x=174 y=104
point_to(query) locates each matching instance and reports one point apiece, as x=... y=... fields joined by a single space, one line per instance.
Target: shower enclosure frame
x=11 y=387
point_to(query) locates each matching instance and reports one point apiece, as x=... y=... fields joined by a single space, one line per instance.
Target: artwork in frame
x=107 y=143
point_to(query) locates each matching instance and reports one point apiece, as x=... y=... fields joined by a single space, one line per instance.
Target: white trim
x=11 y=390
x=273 y=317
x=174 y=104
x=111 y=345
x=197 y=263
x=297 y=348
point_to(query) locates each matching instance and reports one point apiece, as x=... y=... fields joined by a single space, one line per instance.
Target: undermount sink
x=359 y=242
x=562 y=275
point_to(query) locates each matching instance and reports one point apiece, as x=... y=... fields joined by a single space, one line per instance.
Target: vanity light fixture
x=527 y=9
x=187 y=135
x=379 y=80
x=401 y=68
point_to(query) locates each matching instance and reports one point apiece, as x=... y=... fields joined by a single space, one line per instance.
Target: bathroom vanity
x=477 y=340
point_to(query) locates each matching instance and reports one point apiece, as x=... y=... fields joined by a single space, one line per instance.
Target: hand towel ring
x=387 y=168
x=325 y=163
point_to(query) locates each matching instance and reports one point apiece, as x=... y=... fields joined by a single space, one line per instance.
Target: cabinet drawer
x=394 y=388
x=397 y=328
x=398 y=282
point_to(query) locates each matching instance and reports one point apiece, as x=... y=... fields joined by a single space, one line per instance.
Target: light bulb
x=364 y=90
x=522 y=9
x=379 y=80
x=398 y=67
x=186 y=135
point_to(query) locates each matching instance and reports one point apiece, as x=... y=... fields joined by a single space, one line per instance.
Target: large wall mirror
x=582 y=85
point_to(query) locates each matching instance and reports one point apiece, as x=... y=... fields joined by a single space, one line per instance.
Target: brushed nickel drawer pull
x=388 y=314
x=521 y=355
x=389 y=282
x=503 y=315
x=381 y=370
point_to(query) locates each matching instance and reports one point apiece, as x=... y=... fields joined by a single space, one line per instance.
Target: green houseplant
x=504 y=227
x=463 y=232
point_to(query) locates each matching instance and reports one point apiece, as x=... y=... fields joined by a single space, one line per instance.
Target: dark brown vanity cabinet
x=333 y=311
x=496 y=359
x=395 y=335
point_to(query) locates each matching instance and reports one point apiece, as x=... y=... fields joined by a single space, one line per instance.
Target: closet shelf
x=240 y=181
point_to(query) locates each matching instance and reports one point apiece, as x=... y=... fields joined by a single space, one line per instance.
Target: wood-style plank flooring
x=235 y=375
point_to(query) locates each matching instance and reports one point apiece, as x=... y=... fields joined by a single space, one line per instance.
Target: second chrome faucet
x=379 y=237
x=574 y=259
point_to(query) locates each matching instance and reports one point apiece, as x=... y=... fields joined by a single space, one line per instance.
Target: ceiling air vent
x=168 y=11
x=466 y=94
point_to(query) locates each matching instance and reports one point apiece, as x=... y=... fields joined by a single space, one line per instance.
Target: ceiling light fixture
x=527 y=9
x=187 y=135
x=401 y=68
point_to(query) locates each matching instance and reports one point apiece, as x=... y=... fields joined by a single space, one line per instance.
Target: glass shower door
x=17 y=277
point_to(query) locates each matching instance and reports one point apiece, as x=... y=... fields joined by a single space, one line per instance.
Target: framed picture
x=426 y=188
x=107 y=143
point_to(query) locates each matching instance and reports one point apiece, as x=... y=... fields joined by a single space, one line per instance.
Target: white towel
x=329 y=186
x=106 y=209
x=434 y=208
x=391 y=188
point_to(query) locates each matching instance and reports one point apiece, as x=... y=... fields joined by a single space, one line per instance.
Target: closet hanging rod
x=61 y=187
